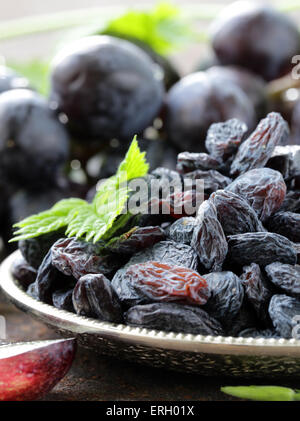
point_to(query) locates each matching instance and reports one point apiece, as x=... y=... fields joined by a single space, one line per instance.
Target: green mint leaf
x=47 y=221
x=91 y=221
x=261 y=393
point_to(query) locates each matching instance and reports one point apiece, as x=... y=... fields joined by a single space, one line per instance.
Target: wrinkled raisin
x=173 y=318
x=154 y=281
x=223 y=139
x=23 y=272
x=191 y=161
x=264 y=189
x=286 y=224
x=226 y=295
x=208 y=239
x=284 y=311
x=235 y=214
x=213 y=180
x=262 y=248
x=286 y=277
x=245 y=319
x=182 y=230
x=258 y=148
x=95 y=296
x=63 y=299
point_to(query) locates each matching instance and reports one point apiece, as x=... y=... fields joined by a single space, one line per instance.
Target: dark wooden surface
x=97 y=378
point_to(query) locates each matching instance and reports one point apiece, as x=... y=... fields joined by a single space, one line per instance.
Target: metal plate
x=205 y=355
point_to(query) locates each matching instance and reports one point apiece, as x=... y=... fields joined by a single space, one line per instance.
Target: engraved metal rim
x=79 y=325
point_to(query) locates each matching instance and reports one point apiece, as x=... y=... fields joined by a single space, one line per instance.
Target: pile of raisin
x=230 y=268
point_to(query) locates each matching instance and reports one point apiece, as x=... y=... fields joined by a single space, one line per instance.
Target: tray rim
x=79 y=325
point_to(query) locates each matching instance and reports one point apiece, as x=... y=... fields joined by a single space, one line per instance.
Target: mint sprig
x=263 y=393
x=90 y=221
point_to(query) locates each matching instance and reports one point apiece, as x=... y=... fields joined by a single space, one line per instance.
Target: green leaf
x=90 y=220
x=37 y=72
x=261 y=393
x=162 y=28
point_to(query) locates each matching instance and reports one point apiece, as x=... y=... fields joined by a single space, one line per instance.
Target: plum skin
x=107 y=87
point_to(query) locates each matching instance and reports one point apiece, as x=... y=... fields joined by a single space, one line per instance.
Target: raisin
x=35 y=249
x=155 y=281
x=245 y=319
x=95 y=296
x=185 y=203
x=63 y=299
x=168 y=252
x=286 y=224
x=75 y=257
x=235 y=214
x=213 y=180
x=256 y=290
x=182 y=230
x=283 y=311
x=223 y=139
x=286 y=277
x=262 y=248
x=226 y=295
x=167 y=177
x=50 y=279
x=208 y=239
x=191 y=161
x=264 y=189
x=291 y=202
x=255 y=333
x=258 y=148
x=173 y=318
x=23 y=272
x=287 y=160
x=136 y=239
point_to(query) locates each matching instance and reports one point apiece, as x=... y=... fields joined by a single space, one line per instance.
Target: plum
x=256 y=37
x=197 y=101
x=29 y=370
x=33 y=143
x=107 y=87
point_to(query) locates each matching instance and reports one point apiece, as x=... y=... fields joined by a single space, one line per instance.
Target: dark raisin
x=226 y=295
x=208 y=239
x=50 y=279
x=245 y=319
x=286 y=224
x=286 y=277
x=291 y=202
x=264 y=189
x=235 y=214
x=154 y=281
x=23 y=272
x=182 y=230
x=185 y=203
x=136 y=239
x=95 y=296
x=35 y=249
x=258 y=148
x=223 y=139
x=173 y=318
x=75 y=257
x=191 y=161
x=63 y=299
x=256 y=290
x=262 y=248
x=285 y=159
x=213 y=180
x=284 y=312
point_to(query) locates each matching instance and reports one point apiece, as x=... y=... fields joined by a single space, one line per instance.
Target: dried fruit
x=191 y=161
x=173 y=318
x=226 y=295
x=29 y=370
x=286 y=224
x=262 y=248
x=258 y=148
x=63 y=299
x=213 y=180
x=286 y=277
x=208 y=239
x=182 y=230
x=75 y=257
x=256 y=291
x=284 y=312
x=234 y=213
x=245 y=319
x=154 y=281
x=223 y=139
x=264 y=189
x=23 y=272
x=95 y=296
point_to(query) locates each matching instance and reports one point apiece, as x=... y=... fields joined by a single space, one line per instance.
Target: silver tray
x=205 y=355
